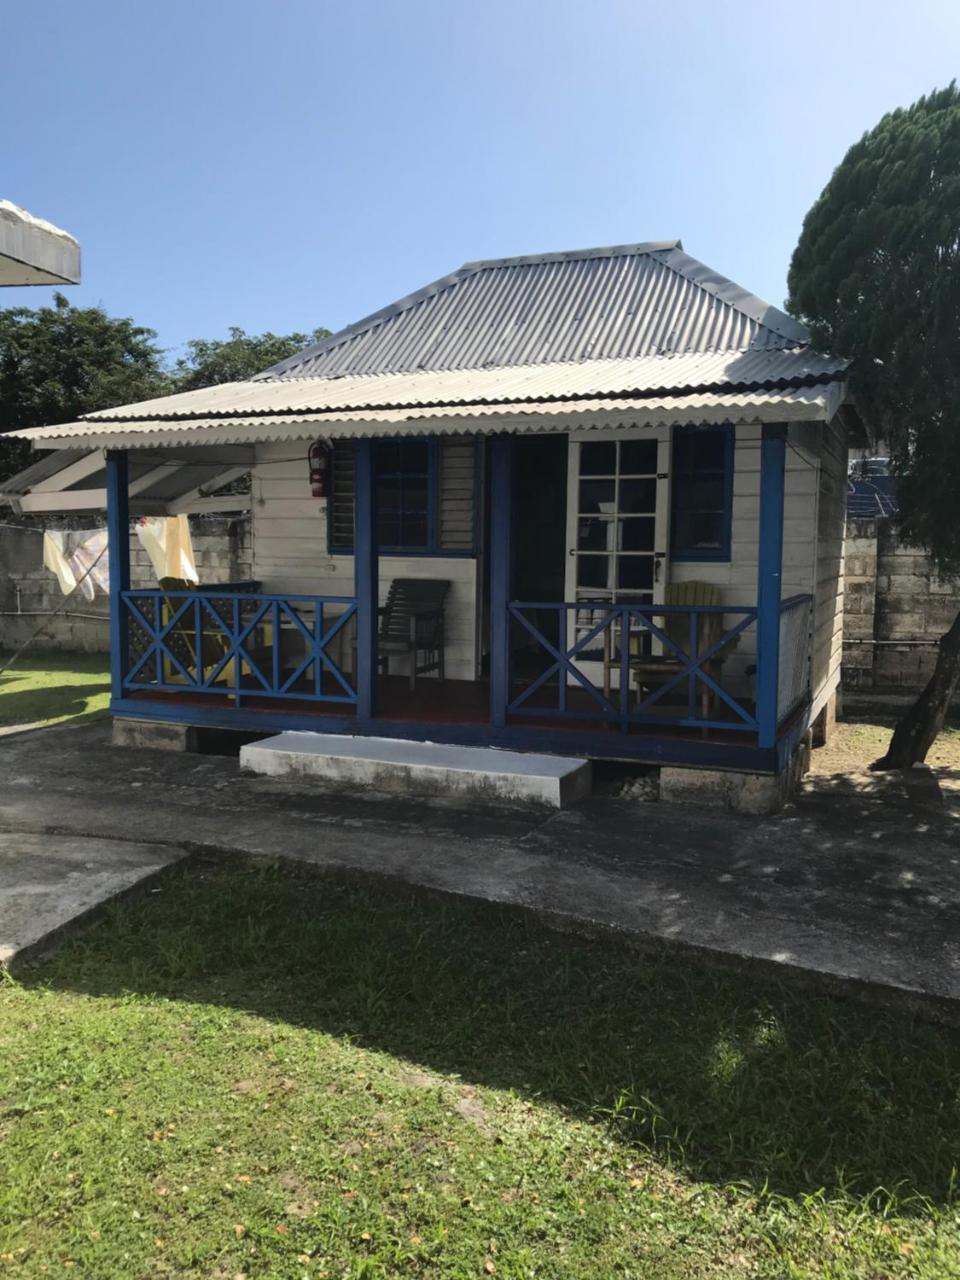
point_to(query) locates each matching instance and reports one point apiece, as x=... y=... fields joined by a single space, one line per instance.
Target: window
x=425 y=497
x=404 y=510
x=702 y=498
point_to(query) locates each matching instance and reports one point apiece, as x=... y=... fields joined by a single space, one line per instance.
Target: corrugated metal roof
x=617 y=302
x=648 y=375
x=818 y=402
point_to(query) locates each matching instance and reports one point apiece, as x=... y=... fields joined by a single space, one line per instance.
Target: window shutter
x=341 y=496
x=456 y=523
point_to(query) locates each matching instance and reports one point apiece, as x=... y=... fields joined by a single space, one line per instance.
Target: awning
x=74 y=480
x=35 y=252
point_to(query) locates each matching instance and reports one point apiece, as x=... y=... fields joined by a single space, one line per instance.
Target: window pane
x=708 y=450
x=634 y=572
x=638 y=458
x=592 y=571
x=388 y=458
x=388 y=528
x=389 y=495
x=415 y=494
x=700 y=531
x=704 y=493
x=637 y=535
x=638 y=495
x=594 y=534
x=414 y=532
x=596 y=496
x=598 y=459
x=414 y=457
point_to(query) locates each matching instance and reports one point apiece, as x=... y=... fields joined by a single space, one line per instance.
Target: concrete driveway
x=857 y=885
x=48 y=882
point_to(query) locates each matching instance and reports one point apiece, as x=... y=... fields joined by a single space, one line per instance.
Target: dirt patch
x=856 y=744
x=470 y=1108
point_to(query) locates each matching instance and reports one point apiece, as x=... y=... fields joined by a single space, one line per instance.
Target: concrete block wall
x=29 y=593
x=859 y=604
x=895 y=612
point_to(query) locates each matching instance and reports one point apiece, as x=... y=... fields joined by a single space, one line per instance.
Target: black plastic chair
x=411 y=624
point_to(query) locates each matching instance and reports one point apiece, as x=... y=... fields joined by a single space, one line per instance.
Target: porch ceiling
x=74 y=480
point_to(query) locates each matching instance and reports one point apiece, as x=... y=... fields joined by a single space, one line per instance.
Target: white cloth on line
x=70 y=553
x=166 y=540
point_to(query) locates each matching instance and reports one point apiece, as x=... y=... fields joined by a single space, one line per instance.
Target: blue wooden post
x=365 y=577
x=773 y=448
x=501 y=575
x=118 y=543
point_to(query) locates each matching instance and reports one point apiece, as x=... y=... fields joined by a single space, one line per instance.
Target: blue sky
x=294 y=163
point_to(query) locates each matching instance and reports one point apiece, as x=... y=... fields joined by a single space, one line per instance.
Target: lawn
x=42 y=688
x=252 y=1074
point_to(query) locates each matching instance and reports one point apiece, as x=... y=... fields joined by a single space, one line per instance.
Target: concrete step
x=394 y=764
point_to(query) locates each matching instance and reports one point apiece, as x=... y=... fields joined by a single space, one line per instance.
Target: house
x=628 y=471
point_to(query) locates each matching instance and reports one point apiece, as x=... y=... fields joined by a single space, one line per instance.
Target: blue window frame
x=702 y=493
x=407 y=487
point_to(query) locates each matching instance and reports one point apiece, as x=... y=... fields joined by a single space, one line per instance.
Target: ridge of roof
x=669 y=254
x=454 y=277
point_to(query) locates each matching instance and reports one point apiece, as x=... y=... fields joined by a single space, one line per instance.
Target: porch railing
x=796 y=652
x=238 y=643
x=667 y=662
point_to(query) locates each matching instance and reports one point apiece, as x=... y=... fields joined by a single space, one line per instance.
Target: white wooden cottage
x=586 y=502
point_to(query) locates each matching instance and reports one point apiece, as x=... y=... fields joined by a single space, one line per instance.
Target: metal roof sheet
x=648 y=375
x=816 y=402
x=616 y=302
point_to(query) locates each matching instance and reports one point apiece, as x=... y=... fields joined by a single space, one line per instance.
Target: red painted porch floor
x=455 y=702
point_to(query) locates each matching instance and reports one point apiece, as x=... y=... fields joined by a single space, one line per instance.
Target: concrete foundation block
x=155 y=735
x=421 y=768
x=749 y=793
x=825 y=723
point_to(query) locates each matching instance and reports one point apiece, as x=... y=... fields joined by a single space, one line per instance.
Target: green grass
x=42 y=688
x=252 y=1074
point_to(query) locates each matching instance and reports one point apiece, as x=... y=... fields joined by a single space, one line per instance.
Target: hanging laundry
x=78 y=557
x=166 y=540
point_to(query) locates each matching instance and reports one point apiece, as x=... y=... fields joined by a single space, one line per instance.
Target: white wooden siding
x=828 y=606
x=290 y=553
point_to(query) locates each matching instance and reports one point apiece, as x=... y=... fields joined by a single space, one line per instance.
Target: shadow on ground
x=732 y=1079
x=32 y=705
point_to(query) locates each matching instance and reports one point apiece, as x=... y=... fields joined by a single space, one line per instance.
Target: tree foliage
x=211 y=361
x=876 y=276
x=59 y=361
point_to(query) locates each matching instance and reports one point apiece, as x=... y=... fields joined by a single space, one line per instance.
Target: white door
x=617 y=521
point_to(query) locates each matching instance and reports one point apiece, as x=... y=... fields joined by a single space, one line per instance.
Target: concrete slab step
x=394 y=764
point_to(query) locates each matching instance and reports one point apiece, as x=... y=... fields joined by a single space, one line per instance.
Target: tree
x=876 y=276
x=60 y=361
x=212 y=361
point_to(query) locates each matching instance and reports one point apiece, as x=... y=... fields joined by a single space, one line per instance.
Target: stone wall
x=896 y=609
x=29 y=593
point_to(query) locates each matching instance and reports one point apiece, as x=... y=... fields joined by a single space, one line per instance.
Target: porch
x=627 y=678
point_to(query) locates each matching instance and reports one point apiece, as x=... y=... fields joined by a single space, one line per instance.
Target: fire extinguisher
x=319 y=458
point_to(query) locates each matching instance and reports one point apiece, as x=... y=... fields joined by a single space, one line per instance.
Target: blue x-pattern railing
x=230 y=642
x=616 y=626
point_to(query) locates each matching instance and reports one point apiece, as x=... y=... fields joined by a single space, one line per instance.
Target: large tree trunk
x=917 y=731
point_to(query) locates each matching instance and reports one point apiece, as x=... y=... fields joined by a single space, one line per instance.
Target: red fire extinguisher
x=319 y=457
